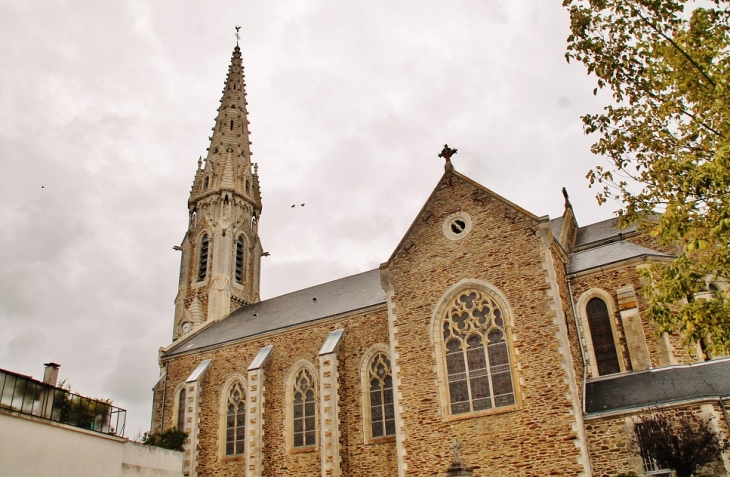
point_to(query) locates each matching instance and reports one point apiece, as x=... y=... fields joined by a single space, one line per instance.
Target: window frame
x=367 y=359
x=582 y=310
x=244 y=267
x=289 y=396
x=198 y=255
x=437 y=319
x=232 y=380
x=176 y=406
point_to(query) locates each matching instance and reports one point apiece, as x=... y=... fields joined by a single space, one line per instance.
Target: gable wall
x=503 y=248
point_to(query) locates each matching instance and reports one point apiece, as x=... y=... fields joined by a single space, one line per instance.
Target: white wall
x=31 y=447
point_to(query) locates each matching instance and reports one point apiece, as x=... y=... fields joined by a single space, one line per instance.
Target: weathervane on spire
x=238 y=37
x=447 y=152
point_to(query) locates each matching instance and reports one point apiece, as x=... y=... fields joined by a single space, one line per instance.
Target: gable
x=453 y=196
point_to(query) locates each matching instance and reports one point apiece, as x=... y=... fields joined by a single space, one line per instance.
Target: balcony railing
x=28 y=396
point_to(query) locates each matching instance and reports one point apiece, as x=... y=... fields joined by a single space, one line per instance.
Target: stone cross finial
x=238 y=37
x=447 y=152
x=456 y=447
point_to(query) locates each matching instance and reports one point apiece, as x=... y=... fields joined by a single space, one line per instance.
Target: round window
x=457 y=226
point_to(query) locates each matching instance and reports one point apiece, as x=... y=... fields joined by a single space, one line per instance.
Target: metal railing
x=28 y=396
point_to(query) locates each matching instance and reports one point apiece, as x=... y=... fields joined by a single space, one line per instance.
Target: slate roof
x=332 y=298
x=608 y=254
x=657 y=386
x=600 y=231
x=556 y=225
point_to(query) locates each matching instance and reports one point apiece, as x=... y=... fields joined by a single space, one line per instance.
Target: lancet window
x=181 y=409
x=239 y=260
x=478 y=367
x=203 y=262
x=604 y=347
x=380 y=381
x=235 y=420
x=304 y=411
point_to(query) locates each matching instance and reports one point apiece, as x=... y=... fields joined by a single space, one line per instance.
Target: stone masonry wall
x=362 y=331
x=503 y=248
x=610 y=281
x=609 y=438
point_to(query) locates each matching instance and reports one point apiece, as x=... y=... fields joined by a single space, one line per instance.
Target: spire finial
x=567 y=199
x=447 y=152
x=238 y=37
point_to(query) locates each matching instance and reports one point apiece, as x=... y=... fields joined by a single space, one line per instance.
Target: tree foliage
x=172 y=439
x=665 y=139
x=684 y=443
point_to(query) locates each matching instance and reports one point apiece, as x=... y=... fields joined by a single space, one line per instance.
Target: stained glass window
x=382 y=411
x=305 y=427
x=604 y=347
x=235 y=420
x=477 y=359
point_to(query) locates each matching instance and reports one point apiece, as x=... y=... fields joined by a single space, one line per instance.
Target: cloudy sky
x=105 y=107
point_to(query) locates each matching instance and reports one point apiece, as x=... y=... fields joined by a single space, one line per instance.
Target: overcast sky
x=105 y=107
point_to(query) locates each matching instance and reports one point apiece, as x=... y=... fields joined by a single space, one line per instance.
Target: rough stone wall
x=609 y=438
x=610 y=281
x=361 y=332
x=503 y=248
x=578 y=365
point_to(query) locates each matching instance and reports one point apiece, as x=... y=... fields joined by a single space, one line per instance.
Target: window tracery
x=235 y=420
x=304 y=410
x=382 y=411
x=478 y=365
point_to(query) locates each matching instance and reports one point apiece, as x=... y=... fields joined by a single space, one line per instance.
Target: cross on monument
x=447 y=152
x=456 y=446
x=238 y=37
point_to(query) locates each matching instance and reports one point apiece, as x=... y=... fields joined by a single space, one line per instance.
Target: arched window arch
x=378 y=398
x=178 y=410
x=595 y=307
x=232 y=429
x=181 y=409
x=475 y=358
x=301 y=396
x=604 y=347
x=239 y=260
x=203 y=261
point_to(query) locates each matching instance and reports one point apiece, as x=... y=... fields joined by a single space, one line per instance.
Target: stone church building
x=492 y=342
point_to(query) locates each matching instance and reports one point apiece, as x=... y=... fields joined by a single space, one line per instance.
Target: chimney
x=50 y=376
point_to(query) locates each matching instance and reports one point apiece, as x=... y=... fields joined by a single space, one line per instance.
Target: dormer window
x=203 y=262
x=205 y=183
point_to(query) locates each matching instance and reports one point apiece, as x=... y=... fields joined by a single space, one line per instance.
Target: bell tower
x=221 y=250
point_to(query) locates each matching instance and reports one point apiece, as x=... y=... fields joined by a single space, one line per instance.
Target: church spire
x=220 y=266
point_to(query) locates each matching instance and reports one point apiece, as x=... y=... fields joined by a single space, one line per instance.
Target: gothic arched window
x=604 y=347
x=304 y=418
x=203 y=262
x=239 y=260
x=380 y=383
x=235 y=419
x=478 y=368
x=181 y=410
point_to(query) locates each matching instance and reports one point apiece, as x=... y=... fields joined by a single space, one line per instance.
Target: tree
x=172 y=439
x=684 y=443
x=665 y=138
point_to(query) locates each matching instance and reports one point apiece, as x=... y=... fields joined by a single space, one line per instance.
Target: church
x=492 y=342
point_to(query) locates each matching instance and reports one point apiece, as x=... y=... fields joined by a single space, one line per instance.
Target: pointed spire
x=227 y=165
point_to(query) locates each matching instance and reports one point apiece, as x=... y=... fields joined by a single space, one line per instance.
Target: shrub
x=170 y=439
